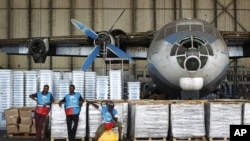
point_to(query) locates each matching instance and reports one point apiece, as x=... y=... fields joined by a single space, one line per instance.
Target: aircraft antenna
x=116 y=21
x=205 y=17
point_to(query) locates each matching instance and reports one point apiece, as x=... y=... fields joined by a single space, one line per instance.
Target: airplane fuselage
x=187 y=49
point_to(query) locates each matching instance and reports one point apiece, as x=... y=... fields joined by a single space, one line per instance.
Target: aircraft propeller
x=102 y=41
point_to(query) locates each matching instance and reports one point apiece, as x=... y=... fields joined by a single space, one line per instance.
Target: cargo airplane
x=186 y=58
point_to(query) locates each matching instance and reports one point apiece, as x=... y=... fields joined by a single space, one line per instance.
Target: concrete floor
x=4 y=137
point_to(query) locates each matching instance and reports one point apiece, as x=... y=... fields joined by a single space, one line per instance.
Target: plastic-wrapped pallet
x=219 y=117
x=115 y=83
x=2 y=121
x=95 y=118
x=57 y=76
x=134 y=90
x=59 y=125
x=246 y=117
x=90 y=85
x=18 y=88
x=187 y=119
x=31 y=83
x=62 y=88
x=6 y=96
x=45 y=77
x=78 y=81
x=102 y=87
x=149 y=119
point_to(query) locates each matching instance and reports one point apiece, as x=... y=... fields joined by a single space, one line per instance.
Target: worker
x=110 y=118
x=44 y=100
x=72 y=104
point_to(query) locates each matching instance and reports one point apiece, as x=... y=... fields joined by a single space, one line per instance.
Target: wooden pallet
x=65 y=139
x=149 y=139
x=190 y=139
x=219 y=139
x=23 y=135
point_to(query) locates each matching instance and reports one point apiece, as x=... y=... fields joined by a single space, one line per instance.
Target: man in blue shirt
x=72 y=104
x=110 y=118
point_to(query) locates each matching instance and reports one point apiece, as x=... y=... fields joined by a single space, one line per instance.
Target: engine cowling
x=39 y=48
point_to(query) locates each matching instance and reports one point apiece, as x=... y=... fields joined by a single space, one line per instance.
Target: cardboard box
x=25 y=112
x=26 y=120
x=12 y=112
x=24 y=128
x=12 y=120
x=12 y=129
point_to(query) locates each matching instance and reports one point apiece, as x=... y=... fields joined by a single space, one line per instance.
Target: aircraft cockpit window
x=183 y=28
x=181 y=50
x=170 y=30
x=173 y=50
x=210 y=51
x=196 y=28
x=191 y=52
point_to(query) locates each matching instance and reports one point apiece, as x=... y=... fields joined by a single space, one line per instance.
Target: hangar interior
x=50 y=18
x=23 y=21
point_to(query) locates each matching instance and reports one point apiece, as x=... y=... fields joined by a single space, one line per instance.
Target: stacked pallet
x=95 y=118
x=187 y=119
x=12 y=120
x=20 y=122
x=149 y=119
x=59 y=125
x=246 y=114
x=219 y=116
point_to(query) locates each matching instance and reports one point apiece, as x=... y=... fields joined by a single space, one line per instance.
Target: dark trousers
x=39 y=121
x=72 y=130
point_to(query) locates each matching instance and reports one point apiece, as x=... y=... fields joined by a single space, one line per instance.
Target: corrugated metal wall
x=43 y=18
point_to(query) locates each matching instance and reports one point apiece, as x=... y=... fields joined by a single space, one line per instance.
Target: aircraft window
x=203 y=60
x=170 y=30
x=181 y=50
x=210 y=51
x=209 y=30
x=203 y=50
x=173 y=50
x=160 y=35
x=180 y=60
x=191 y=52
x=183 y=28
x=196 y=28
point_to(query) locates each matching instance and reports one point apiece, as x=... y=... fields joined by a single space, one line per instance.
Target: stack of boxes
x=21 y=121
x=25 y=120
x=12 y=120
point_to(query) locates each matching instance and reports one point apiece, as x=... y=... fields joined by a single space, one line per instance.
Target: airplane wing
x=134 y=44
x=238 y=43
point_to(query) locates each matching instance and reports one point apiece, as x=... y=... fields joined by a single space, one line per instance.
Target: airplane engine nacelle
x=39 y=48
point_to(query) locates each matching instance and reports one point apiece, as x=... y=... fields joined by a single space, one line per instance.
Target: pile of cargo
x=20 y=121
x=177 y=119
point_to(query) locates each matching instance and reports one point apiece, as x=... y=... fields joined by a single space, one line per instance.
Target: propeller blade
x=88 y=31
x=120 y=53
x=91 y=58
